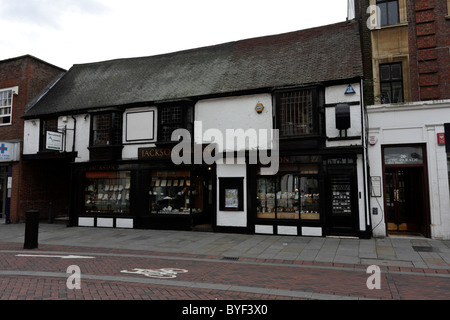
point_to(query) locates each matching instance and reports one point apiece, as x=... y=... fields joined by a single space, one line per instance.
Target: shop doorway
x=406 y=191
x=203 y=197
x=343 y=216
x=3 y=191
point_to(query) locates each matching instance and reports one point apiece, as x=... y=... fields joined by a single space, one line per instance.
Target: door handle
x=396 y=195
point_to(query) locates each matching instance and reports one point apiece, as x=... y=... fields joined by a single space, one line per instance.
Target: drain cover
x=425 y=249
x=230 y=258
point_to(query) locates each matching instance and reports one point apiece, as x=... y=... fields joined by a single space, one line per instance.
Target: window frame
x=391 y=81
x=10 y=114
x=386 y=3
x=296 y=176
x=186 y=121
x=114 y=131
x=314 y=121
x=45 y=126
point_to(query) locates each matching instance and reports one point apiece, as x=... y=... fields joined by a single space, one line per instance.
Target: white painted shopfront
x=408 y=163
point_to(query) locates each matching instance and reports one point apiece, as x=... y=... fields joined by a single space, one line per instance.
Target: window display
x=173 y=192
x=107 y=192
x=288 y=197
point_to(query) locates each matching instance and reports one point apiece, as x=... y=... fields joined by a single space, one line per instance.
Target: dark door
x=405 y=203
x=3 y=189
x=343 y=211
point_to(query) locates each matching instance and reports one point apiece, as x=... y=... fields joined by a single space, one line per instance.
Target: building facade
x=272 y=140
x=406 y=131
x=22 y=79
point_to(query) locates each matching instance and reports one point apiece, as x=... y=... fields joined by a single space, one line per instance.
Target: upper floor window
x=106 y=129
x=389 y=12
x=172 y=118
x=46 y=126
x=295 y=113
x=391 y=83
x=6 y=100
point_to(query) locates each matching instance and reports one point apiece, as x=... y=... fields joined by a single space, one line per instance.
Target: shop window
x=295 y=112
x=107 y=193
x=288 y=196
x=173 y=118
x=391 y=83
x=106 y=129
x=6 y=100
x=389 y=12
x=174 y=192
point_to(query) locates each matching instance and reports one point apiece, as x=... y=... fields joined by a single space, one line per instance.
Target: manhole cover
x=425 y=249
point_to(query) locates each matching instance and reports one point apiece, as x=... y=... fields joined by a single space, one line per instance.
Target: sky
x=68 y=32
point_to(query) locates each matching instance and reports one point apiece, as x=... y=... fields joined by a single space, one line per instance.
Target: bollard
x=31 y=229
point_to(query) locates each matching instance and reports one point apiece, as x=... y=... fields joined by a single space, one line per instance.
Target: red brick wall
x=32 y=76
x=429 y=49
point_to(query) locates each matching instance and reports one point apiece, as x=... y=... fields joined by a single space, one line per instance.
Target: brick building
x=116 y=120
x=429 y=40
x=408 y=124
x=22 y=79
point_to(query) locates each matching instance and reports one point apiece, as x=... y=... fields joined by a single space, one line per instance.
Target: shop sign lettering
x=154 y=153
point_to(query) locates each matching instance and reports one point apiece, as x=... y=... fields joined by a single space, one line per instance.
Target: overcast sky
x=68 y=32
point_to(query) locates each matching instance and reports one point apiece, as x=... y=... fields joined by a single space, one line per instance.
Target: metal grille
x=296 y=113
x=171 y=119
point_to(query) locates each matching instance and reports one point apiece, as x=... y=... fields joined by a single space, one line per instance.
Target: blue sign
x=350 y=90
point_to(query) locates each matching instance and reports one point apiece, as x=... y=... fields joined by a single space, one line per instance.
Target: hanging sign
x=54 y=141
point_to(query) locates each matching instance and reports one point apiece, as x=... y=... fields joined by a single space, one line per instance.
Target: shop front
x=313 y=195
x=409 y=170
x=151 y=193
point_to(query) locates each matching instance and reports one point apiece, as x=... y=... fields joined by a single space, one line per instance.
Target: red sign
x=441 y=138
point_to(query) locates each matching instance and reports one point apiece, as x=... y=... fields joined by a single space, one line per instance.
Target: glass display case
x=288 y=197
x=174 y=192
x=107 y=192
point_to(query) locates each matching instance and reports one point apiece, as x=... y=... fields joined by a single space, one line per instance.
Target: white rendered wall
x=232 y=218
x=31 y=137
x=336 y=95
x=234 y=113
x=412 y=124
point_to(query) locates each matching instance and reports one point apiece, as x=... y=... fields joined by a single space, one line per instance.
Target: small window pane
x=385 y=73
x=383 y=13
x=397 y=92
x=393 y=13
x=386 y=93
x=396 y=71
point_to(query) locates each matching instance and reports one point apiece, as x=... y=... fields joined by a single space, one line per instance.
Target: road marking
x=53 y=256
x=166 y=273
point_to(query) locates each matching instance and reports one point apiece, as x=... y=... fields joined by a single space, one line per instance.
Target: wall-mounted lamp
x=86 y=116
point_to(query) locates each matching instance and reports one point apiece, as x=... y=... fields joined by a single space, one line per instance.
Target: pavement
x=405 y=252
x=209 y=266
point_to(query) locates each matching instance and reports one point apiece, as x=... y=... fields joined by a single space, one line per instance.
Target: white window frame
x=10 y=106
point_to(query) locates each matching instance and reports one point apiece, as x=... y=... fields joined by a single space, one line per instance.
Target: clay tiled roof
x=322 y=54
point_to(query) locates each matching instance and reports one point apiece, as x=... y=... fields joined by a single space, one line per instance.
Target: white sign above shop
x=9 y=152
x=54 y=141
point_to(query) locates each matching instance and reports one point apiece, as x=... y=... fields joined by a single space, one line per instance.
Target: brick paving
x=212 y=275
x=208 y=278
